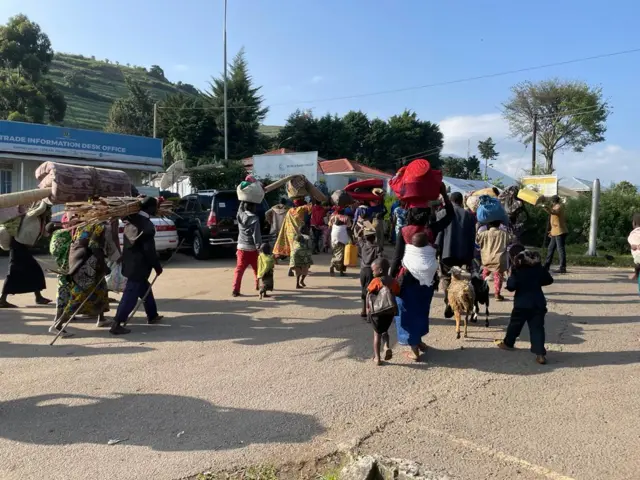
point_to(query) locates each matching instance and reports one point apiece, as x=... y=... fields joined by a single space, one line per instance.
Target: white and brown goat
x=461 y=296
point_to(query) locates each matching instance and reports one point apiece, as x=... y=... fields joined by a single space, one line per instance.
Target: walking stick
x=143 y=298
x=76 y=312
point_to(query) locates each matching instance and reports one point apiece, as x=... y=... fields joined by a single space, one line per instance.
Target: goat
x=481 y=293
x=461 y=297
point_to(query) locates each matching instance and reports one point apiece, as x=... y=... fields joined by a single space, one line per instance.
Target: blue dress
x=414 y=303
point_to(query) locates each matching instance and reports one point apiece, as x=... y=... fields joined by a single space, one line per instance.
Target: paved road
x=227 y=382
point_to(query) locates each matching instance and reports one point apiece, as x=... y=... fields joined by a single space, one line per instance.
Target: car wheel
x=200 y=249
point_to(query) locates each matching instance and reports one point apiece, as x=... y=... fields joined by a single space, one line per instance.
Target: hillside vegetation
x=91 y=86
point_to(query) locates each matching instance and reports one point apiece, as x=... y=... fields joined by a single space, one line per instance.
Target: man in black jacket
x=456 y=244
x=139 y=258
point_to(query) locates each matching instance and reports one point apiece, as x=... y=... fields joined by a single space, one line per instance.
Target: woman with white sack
x=25 y=274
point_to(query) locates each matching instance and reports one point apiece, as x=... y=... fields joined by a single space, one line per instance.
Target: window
x=5 y=181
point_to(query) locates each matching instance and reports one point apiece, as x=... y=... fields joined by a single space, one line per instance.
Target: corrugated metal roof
x=464 y=186
x=575 y=184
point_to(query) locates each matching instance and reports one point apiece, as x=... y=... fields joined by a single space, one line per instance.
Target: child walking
x=527 y=278
x=301 y=259
x=249 y=239
x=634 y=243
x=381 y=321
x=493 y=244
x=369 y=252
x=266 y=266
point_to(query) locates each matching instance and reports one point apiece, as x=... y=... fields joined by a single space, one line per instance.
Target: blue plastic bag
x=490 y=210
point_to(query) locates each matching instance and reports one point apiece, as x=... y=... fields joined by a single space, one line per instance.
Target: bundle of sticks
x=105 y=209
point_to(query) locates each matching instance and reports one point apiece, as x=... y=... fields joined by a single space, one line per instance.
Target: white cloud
x=609 y=162
x=181 y=67
x=317 y=79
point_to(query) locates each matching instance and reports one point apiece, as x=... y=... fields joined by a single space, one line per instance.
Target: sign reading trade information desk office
x=34 y=139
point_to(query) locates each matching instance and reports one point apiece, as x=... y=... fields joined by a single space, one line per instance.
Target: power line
x=468 y=79
x=429 y=85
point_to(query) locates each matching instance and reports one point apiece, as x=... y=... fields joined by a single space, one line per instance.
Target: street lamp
x=285 y=140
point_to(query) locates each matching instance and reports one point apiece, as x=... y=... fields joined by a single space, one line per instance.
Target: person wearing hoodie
x=249 y=240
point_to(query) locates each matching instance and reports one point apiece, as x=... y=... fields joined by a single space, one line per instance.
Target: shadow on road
x=150 y=420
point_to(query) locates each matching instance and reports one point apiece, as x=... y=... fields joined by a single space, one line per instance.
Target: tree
x=25 y=57
x=625 y=188
x=453 y=167
x=185 y=121
x=133 y=113
x=358 y=128
x=570 y=115
x=245 y=110
x=300 y=133
x=156 y=72
x=409 y=138
x=25 y=48
x=75 y=79
x=487 y=149
x=471 y=168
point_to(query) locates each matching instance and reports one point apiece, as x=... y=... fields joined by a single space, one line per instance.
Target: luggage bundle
x=74 y=183
x=417 y=184
x=250 y=191
x=370 y=190
x=490 y=210
x=341 y=199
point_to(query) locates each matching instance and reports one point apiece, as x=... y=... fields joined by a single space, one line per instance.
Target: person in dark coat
x=456 y=244
x=139 y=259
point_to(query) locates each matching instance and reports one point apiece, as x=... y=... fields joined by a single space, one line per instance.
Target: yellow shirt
x=558 y=220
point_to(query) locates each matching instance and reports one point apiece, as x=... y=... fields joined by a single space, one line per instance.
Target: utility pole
x=533 y=144
x=226 y=122
x=155 y=120
x=595 y=210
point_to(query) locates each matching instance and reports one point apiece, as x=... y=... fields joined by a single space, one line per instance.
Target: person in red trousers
x=249 y=240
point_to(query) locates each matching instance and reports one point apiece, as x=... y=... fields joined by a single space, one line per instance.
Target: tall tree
x=412 y=138
x=471 y=168
x=570 y=115
x=185 y=119
x=245 y=110
x=300 y=133
x=133 y=113
x=453 y=167
x=25 y=58
x=488 y=153
x=357 y=126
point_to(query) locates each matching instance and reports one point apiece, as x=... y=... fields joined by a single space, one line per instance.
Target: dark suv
x=207 y=219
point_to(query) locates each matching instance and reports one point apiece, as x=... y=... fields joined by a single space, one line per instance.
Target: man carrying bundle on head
x=139 y=258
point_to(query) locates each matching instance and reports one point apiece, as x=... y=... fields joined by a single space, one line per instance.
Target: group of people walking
x=429 y=243
x=84 y=256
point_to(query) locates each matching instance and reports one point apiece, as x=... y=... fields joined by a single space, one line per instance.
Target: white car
x=166 y=234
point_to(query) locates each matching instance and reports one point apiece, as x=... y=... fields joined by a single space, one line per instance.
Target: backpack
x=382 y=303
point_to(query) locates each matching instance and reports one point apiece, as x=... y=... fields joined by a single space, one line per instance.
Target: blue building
x=24 y=146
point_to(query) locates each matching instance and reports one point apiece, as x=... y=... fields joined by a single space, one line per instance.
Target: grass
x=576 y=257
x=88 y=107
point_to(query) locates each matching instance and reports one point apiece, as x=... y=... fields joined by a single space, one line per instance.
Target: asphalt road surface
x=228 y=382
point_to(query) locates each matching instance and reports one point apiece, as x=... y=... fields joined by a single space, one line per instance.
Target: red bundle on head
x=417 y=184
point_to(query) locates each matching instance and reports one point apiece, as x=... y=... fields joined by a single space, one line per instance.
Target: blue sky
x=306 y=51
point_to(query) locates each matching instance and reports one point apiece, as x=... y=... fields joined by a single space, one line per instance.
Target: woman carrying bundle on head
x=87 y=269
x=340 y=225
x=415 y=266
x=293 y=222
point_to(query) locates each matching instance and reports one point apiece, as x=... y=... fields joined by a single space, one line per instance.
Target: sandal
x=388 y=354
x=412 y=356
x=43 y=301
x=7 y=305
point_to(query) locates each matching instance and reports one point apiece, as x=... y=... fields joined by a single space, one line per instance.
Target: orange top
x=376 y=285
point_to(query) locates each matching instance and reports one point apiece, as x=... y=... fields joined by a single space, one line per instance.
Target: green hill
x=96 y=84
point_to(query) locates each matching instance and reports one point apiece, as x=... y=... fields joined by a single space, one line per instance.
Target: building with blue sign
x=24 y=146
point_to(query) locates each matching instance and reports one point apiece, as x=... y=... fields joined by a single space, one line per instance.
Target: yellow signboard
x=546 y=185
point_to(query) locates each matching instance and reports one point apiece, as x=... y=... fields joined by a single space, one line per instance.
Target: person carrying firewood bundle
x=139 y=259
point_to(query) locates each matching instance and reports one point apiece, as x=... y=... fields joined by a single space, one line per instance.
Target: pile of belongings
x=74 y=183
x=490 y=210
x=250 y=190
x=341 y=199
x=25 y=225
x=474 y=197
x=417 y=184
x=510 y=201
x=370 y=190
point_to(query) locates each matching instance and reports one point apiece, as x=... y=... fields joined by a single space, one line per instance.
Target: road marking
x=501 y=455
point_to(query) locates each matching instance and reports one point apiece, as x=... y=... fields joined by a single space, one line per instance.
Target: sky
x=340 y=55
